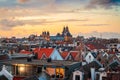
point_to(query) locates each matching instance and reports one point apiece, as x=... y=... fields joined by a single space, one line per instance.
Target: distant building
x=56 y=38
x=66 y=34
x=46 y=35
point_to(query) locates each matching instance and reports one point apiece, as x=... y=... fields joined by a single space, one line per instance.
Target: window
x=51 y=71
x=69 y=57
x=59 y=72
x=22 y=70
x=39 y=69
x=2 y=77
x=77 y=77
x=89 y=57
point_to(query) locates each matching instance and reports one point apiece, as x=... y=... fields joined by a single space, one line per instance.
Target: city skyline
x=83 y=17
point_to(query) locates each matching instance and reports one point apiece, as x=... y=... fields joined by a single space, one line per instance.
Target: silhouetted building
x=46 y=35
x=66 y=34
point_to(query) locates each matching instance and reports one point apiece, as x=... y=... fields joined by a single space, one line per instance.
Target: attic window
x=70 y=57
x=89 y=57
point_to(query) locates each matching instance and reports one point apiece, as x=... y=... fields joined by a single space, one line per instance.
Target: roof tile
x=43 y=51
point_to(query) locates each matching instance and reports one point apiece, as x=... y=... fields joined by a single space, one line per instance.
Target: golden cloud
x=23 y=1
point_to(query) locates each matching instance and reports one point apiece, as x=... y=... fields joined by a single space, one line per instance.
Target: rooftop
x=40 y=62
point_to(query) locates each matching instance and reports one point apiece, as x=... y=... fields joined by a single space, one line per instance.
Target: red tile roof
x=25 y=52
x=43 y=51
x=74 y=54
x=93 y=46
x=64 y=54
x=90 y=46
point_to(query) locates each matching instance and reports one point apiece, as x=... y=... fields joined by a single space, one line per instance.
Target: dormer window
x=69 y=57
x=89 y=57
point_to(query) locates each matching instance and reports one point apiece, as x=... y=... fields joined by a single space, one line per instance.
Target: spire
x=45 y=32
x=64 y=29
x=67 y=30
x=48 y=33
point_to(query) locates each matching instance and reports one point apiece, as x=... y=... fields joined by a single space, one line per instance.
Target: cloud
x=7 y=24
x=71 y=20
x=52 y=21
x=95 y=25
x=36 y=3
x=101 y=34
x=103 y=3
x=23 y=1
x=3 y=0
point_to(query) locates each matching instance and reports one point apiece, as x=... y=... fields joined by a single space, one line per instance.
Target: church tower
x=46 y=35
x=66 y=34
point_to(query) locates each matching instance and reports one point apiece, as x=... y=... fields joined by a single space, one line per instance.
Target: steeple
x=64 y=29
x=66 y=32
x=45 y=32
x=48 y=33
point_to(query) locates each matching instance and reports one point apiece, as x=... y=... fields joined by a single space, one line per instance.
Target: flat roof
x=40 y=62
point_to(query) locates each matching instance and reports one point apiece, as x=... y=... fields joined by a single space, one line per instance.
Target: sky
x=99 y=18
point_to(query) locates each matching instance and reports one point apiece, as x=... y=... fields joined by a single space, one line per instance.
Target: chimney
x=29 y=59
x=60 y=50
x=92 y=73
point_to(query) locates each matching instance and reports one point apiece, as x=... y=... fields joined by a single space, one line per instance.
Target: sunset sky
x=21 y=18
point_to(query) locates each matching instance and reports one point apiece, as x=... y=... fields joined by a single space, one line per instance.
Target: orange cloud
x=23 y=1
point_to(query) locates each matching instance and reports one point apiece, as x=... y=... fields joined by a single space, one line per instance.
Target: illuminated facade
x=55 y=69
